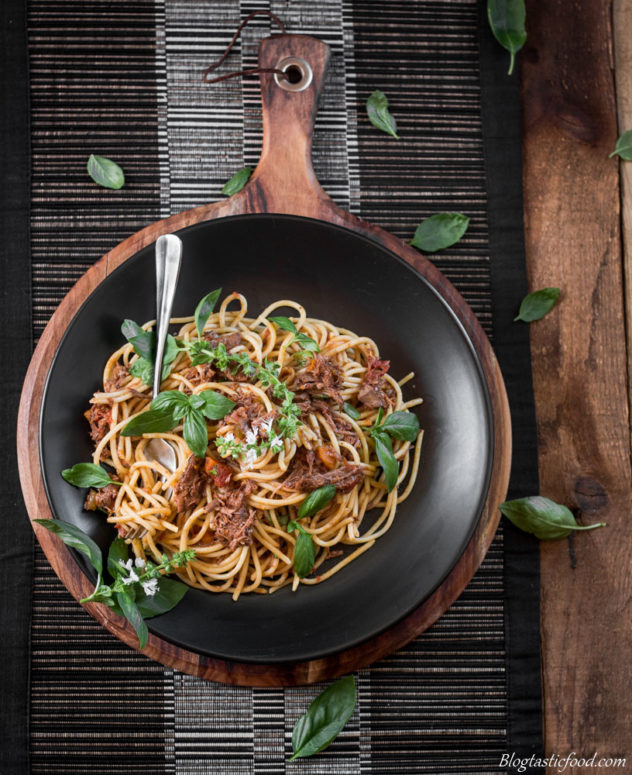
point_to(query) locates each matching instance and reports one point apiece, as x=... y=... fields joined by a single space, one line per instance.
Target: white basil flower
x=150 y=587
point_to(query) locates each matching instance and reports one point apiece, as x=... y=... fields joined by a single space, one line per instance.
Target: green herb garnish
x=87 y=475
x=144 y=344
x=379 y=115
x=399 y=425
x=324 y=719
x=507 y=22
x=306 y=342
x=304 y=551
x=204 y=310
x=544 y=518
x=623 y=148
x=351 y=411
x=171 y=406
x=536 y=305
x=316 y=500
x=440 y=231
x=237 y=182
x=139 y=589
x=105 y=172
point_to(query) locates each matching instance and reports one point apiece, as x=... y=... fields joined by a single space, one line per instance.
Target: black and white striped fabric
x=122 y=78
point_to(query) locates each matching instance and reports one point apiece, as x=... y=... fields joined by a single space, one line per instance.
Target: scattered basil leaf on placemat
x=507 y=22
x=623 y=148
x=105 y=172
x=237 y=182
x=379 y=115
x=536 y=305
x=324 y=719
x=316 y=500
x=74 y=537
x=87 y=475
x=439 y=231
x=543 y=517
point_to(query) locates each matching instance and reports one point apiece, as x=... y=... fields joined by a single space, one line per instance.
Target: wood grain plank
x=579 y=366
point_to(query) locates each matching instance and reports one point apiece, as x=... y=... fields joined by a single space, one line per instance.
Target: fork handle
x=168 y=258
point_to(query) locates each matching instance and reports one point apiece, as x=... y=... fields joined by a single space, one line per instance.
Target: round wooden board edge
x=239 y=673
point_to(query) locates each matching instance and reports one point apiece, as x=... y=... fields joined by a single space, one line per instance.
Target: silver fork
x=168 y=259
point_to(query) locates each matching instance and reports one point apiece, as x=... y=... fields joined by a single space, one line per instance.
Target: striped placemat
x=122 y=78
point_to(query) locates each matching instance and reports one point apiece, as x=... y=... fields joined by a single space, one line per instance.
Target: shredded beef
x=342 y=428
x=191 y=486
x=372 y=393
x=228 y=340
x=118 y=377
x=103 y=499
x=248 y=412
x=321 y=377
x=234 y=520
x=99 y=416
x=198 y=375
x=309 y=474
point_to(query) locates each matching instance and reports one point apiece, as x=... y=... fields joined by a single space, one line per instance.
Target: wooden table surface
x=576 y=81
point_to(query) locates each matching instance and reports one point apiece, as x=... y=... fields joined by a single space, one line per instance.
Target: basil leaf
x=119 y=551
x=152 y=421
x=74 y=537
x=142 y=341
x=216 y=405
x=306 y=342
x=105 y=172
x=87 y=475
x=440 y=231
x=388 y=461
x=205 y=308
x=351 y=411
x=237 y=182
x=172 y=400
x=401 y=425
x=316 y=500
x=536 y=305
x=168 y=595
x=142 y=370
x=623 y=148
x=325 y=718
x=195 y=432
x=506 y=19
x=544 y=518
x=378 y=113
x=133 y=616
x=304 y=554
x=284 y=323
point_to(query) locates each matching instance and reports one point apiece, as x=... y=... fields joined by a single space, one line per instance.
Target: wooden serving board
x=283 y=182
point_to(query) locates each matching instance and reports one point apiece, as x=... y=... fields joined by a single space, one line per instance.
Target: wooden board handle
x=284 y=180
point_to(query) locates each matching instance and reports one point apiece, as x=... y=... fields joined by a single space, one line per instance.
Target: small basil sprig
x=105 y=172
x=237 y=182
x=316 y=500
x=399 y=425
x=543 y=517
x=536 y=305
x=324 y=719
x=507 y=22
x=351 y=411
x=139 y=589
x=204 y=310
x=440 y=231
x=171 y=406
x=306 y=342
x=144 y=344
x=88 y=475
x=379 y=115
x=623 y=148
x=304 y=551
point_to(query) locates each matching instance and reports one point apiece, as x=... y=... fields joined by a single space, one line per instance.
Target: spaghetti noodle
x=309 y=405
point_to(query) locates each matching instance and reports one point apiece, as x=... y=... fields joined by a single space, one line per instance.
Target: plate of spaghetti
x=331 y=440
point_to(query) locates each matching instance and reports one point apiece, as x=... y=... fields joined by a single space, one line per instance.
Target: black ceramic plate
x=347 y=279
